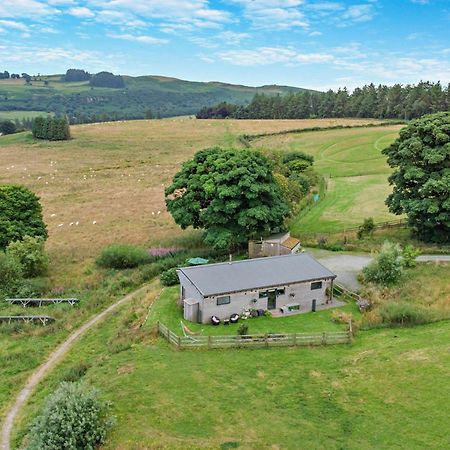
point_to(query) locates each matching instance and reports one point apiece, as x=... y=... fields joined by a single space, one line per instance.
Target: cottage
x=263 y=283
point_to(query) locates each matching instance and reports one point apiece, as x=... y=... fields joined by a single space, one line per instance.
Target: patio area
x=335 y=303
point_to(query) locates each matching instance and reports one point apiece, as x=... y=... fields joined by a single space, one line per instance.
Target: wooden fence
x=255 y=340
x=349 y=230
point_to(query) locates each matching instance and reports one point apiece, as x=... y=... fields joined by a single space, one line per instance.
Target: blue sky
x=317 y=44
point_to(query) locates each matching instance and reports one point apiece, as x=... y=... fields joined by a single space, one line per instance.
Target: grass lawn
x=357 y=172
x=170 y=314
x=387 y=390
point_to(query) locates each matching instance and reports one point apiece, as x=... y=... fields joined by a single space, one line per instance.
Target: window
x=263 y=294
x=316 y=285
x=223 y=300
x=280 y=291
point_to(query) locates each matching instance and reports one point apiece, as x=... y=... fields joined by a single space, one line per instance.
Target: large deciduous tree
x=231 y=194
x=20 y=215
x=421 y=179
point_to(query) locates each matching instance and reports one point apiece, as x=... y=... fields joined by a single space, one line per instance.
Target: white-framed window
x=316 y=285
x=223 y=300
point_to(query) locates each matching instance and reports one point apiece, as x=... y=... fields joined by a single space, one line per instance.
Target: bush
x=10 y=275
x=20 y=215
x=73 y=418
x=123 y=257
x=242 y=330
x=169 y=277
x=75 y=373
x=404 y=314
x=30 y=253
x=387 y=268
x=7 y=127
x=409 y=256
x=366 y=228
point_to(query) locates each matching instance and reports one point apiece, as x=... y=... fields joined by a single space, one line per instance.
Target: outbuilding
x=263 y=283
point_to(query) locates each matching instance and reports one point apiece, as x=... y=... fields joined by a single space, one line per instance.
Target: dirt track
x=51 y=362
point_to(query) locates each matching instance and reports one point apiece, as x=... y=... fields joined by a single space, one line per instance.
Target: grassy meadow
x=357 y=174
x=110 y=179
x=387 y=390
x=114 y=174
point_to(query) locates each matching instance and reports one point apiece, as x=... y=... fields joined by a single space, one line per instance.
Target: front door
x=272 y=300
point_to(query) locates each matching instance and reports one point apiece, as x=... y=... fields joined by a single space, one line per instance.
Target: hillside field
x=356 y=171
x=114 y=174
x=387 y=390
x=164 y=96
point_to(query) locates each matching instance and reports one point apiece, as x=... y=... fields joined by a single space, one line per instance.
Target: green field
x=367 y=395
x=13 y=115
x=113 y=173
x=387 y=390
x=356 y=171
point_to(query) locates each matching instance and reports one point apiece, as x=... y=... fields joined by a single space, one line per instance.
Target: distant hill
x=141 y=97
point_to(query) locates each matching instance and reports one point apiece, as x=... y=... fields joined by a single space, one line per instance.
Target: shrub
x=30 y=253
x=7 y=127
x=404 y=314
x=75 y=373
x=366 y=228
x=242 y=330
x=387 y=267
x=10 y=275
x=20 y=215
x=169 y=277
x=73 y=418
x=409 y=256
x=123 y=257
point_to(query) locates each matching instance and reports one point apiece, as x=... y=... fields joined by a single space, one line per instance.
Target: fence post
x=209 y=341
x=350 y=332
x=324 y=338
x=295 y=339
x=157 y=327
x=266 y=338
x=179 y=342
x=168 y=335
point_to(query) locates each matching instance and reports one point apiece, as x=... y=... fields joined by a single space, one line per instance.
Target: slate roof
x=250 y=274
x=290 y=243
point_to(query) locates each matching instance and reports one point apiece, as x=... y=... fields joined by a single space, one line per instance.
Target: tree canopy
x=107 y=79
x=383 y=102
x=421 y=179
x=20 y=215
x=230 y=193
x=51 y=128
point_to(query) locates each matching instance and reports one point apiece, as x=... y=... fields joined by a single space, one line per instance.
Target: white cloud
x=13 y=24
x=139 y=38
x=81 y=11
x=274 y=14
x=231 y=37
x=26 y=8
x=272 y=55
x=359 y=13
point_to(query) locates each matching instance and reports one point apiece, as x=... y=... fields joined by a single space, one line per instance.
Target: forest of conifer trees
x=383 y=102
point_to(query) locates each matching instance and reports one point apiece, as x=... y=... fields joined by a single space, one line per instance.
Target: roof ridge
x=250 y=260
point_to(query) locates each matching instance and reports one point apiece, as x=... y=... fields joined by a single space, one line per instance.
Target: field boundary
x=246 y=139
x=255 y=340
x=378 y=226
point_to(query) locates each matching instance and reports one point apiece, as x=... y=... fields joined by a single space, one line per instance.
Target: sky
x=316 y=44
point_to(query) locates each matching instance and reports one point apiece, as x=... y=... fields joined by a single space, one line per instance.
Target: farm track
x=55 y=357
